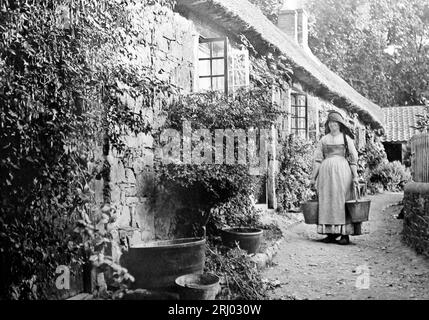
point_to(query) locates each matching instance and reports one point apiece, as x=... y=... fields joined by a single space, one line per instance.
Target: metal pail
x=310 y=209
x=358 y=209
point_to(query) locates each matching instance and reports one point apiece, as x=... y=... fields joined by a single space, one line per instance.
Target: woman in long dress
x=335 y=177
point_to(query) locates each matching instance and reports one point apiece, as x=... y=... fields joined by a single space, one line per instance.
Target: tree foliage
x=380 y=47
x=269 y=8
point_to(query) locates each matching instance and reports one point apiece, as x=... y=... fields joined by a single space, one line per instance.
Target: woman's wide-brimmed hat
x=336 y=116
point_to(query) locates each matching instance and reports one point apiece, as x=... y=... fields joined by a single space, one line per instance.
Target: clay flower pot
x=249 y=239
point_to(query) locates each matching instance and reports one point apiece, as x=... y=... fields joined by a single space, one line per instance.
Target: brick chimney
x=294 y=22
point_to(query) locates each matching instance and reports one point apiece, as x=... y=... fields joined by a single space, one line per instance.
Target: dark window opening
x=393 y=151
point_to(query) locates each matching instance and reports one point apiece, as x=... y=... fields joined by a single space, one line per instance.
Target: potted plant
x=238 y=221
x=248 y=239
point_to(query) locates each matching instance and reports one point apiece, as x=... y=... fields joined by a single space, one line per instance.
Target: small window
x=213 y=66
x=299 y=119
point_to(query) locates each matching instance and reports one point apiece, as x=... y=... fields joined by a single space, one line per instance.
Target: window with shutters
x=222 y=67
x=299 y=120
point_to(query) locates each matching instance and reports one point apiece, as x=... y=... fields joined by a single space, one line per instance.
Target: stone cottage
x=199 y=46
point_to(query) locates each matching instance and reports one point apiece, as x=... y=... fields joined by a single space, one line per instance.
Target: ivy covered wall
x=166 y=46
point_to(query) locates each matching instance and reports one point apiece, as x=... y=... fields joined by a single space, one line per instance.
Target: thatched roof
x=399 y=122
x=242 y=17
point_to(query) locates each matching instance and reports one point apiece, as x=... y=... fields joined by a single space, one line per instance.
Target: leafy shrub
x=239 y=275
x=377 y=171
x=206 y=184
x=244 y=109
x=295 y=167
x=225 y=187
x=371 y=156
x=199 y=188
x=391 y=175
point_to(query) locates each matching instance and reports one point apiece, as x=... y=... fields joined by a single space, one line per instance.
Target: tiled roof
x=242 y=17
x=398 y=122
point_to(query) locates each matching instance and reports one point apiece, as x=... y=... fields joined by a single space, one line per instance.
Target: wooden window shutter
x=238 y=68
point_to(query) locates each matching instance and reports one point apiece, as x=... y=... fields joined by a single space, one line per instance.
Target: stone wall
x=416 y=216
x=166 y=46
x=172 y=55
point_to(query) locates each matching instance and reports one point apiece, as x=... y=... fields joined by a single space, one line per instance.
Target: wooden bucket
x=358 y=208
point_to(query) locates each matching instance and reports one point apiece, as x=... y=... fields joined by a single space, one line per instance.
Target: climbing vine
x=67 y=70
x=295 y=167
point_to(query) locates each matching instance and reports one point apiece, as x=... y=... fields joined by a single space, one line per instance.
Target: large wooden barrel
x=420 y=157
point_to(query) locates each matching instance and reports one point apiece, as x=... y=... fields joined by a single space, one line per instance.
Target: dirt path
x=308 y=269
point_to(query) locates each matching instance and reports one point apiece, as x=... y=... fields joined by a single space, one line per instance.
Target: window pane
x=204 y=50
x=219 y=83
x=301 y=100
x=218 y=66
x=230 y=80
x=218 y=49
x=204 y=67
x=205 y=84
x=301 y=112
x=293 y=101
x=239 y=60
x=295 y=112
x=239 y=78
x=230 y=60
x=301 y=123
